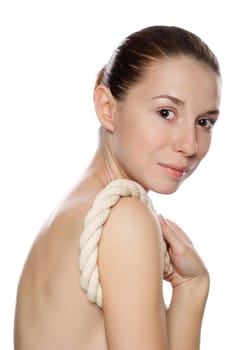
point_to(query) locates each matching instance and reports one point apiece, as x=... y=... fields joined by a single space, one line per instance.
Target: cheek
x=141 y=139
x=204 y=142
x=140 y=133
x=129 y=133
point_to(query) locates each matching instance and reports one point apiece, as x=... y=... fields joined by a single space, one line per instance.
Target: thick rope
x=92 y=232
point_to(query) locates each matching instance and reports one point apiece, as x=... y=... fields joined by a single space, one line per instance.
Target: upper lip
x=176 y=167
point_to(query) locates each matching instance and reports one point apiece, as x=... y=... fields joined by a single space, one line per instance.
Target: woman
x=157 y=100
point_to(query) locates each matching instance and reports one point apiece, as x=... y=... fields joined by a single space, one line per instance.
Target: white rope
x=92 y=232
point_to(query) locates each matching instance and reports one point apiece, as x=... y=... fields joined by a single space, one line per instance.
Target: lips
x=174 y=170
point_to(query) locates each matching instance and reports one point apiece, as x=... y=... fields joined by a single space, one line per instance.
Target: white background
x=50 y=53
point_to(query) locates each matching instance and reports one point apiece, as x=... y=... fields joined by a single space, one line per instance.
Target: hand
x=186 y=262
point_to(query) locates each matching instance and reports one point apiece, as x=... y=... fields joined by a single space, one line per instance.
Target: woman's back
x=52 y=309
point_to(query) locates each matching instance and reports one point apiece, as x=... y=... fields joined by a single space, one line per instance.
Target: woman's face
x=162 y=130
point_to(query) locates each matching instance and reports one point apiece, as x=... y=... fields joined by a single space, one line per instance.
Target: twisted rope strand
x=91 y=235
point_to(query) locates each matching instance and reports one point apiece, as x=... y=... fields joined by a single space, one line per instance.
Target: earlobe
x=104 y=103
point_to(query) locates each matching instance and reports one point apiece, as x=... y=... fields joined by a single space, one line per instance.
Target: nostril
x=186 y=143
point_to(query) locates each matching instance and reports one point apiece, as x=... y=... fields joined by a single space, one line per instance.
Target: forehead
x=184 y=77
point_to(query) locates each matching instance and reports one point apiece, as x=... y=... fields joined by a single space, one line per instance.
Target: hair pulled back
x=130 y=60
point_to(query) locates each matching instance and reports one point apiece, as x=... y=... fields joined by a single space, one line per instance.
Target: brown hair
x=129 y=61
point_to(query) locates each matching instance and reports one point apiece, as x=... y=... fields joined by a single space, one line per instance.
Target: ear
x=104 y=106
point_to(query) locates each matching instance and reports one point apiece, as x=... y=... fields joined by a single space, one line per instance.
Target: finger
x=180 y=232
x=170 y=235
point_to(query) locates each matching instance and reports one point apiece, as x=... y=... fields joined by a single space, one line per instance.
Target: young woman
x=157 y=101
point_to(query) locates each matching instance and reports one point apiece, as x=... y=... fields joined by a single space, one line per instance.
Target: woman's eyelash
x=166 y=113
x=206 y=123
x=169 y=114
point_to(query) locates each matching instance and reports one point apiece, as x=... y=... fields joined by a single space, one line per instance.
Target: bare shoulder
x=55 y=249
x=131 y=223
x=56 y=244
x=130 y=266
x=52 y=256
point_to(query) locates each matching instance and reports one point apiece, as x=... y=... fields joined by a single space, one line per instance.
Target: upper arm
x=131 y=274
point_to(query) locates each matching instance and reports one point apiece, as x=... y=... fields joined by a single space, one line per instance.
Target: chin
x=166 y=191
x=166 y=188
x=161 y=186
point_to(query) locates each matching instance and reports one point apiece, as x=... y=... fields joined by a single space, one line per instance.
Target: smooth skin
x=157 y=136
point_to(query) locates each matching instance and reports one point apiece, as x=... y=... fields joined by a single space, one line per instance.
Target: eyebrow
x=212 y=112
x=170 y=97
x=181 y=102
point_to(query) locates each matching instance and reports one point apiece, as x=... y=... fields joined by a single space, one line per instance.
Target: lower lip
x=175 y=173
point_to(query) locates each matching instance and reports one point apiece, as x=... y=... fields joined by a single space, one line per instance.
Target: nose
x=186 y=140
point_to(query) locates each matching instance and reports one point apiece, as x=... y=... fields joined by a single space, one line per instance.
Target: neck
x=104 y=165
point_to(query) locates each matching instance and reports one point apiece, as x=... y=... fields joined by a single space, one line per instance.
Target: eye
x=166 y=113
x=206 y=123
